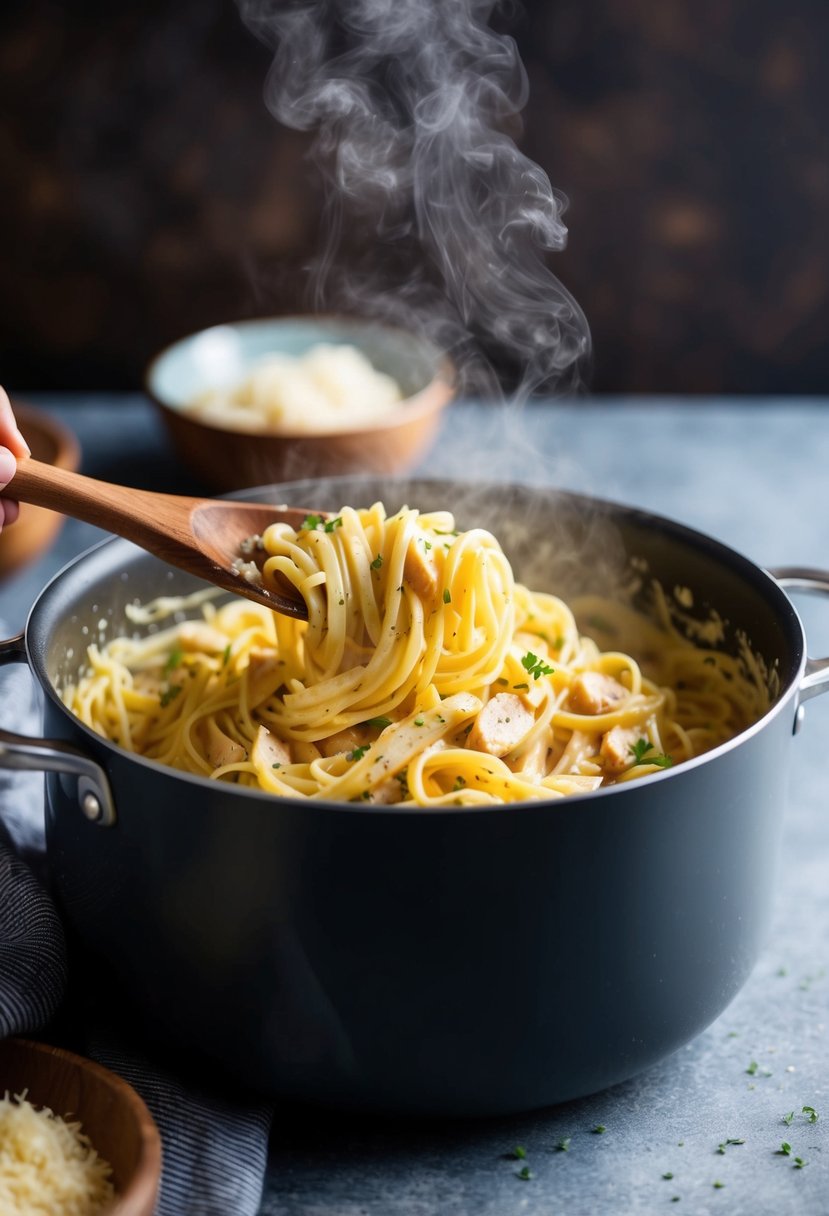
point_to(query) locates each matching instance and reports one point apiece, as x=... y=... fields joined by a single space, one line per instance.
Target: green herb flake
x=447 y=596
x=381 y=723
x=752 y=1068
x=378 y=561
x=519 y=1152
x=420 y=721
x=357 y=753
x=667 y=1175
x=169 y=694
x=521 y=687
x=798 y=1163
x=536 y=667
x=717 y=1185
x=563 y=1146
x=427 y=544
x=226 y=655
x=331 y=524
x=785 y=1149
x=787 y=1119
x=174 y=660
x=674 y=1198
x=276 y=764
x=525 y=1173
x=810 y=1113
x=640 y=751
x=599 y=1129
x=501 y=680
x=460 y=782
x=311 y=522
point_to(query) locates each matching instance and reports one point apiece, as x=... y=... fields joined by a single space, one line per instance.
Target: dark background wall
x=145 y=191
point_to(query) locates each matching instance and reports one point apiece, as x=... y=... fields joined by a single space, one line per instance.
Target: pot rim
x=757 y=576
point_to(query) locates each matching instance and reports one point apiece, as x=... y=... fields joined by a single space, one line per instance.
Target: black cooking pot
x=452 y=961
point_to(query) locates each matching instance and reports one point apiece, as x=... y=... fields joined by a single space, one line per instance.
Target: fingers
x=8 y=511
x=10 y=436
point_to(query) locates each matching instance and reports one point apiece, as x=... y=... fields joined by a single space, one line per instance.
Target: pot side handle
x=23 y=753
x=813 y=582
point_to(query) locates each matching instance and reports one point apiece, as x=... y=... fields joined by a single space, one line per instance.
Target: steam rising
x=432 y=218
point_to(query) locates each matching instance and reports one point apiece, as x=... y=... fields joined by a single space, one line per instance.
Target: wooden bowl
x=36 y=528
x=110 y=1111
x=227 y=459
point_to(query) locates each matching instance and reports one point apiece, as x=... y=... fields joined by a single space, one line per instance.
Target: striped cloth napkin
x=214 y=1146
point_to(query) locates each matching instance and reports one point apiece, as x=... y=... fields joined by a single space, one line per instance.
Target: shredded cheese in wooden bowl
x=47 y=1164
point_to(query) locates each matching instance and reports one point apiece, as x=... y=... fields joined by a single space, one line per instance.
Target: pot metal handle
x=23 y=753
x=813 y=582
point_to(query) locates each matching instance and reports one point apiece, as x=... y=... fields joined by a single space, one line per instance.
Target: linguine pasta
x=425 y=674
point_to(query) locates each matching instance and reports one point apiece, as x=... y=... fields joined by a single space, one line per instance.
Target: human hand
x=12 y=444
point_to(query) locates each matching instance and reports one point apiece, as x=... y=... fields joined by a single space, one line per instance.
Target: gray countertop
x=752 y=473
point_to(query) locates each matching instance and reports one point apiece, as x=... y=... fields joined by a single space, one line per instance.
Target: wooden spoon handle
x=157 y=522
x=132 y=513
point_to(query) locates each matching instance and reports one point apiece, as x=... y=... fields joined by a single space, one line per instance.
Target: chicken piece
x=268 y=751
x=219 y=748
x=615 y=748
x=501 y=725
x=265 y=673
x=344 y=741
x=593 y=692
x=419 y=570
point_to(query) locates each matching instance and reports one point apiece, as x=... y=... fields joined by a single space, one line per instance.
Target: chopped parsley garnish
x=525 y=1173
x=420 y=721
x=460 y=782
x=313 y=523
x=447 y=596
x=717 y=1185
x=641 y=749
x=378 y=561
x=381 y=723
x=810 y=1113
x=519 y=1152
x=787 y=1119
x=799 y=1163
x=599 y=1129
x=427 y=545
x=536 y=667
x=563 y=1146
x=752 y=1068
x=174 y=660
x=276 y=764
x=226 y=655
x=521 y=687
x=667 y=1175
x=785 y=1149
x=357 y=753
x=169 y=694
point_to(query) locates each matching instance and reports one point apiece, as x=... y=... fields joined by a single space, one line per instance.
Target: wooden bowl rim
x=432 y=397
x=68 y=448
x=142 y=1187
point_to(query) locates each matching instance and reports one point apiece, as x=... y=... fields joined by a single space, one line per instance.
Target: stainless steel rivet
x=91 y=807
x=799 y=717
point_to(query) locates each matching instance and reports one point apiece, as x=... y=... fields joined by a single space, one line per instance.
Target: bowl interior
x=219 y=357
x=110 y=1111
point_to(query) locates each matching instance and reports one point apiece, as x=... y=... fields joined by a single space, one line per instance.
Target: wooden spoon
x=201 y=535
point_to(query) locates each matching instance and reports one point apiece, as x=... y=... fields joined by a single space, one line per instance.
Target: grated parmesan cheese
x=47 y=1165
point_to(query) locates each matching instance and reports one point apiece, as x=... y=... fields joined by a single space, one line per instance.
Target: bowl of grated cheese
x=74 y=1138
x=261 y=400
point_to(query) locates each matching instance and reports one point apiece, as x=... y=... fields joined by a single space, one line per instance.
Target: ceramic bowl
x=36 y=528
x=220 y=357
x=109 y=1110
